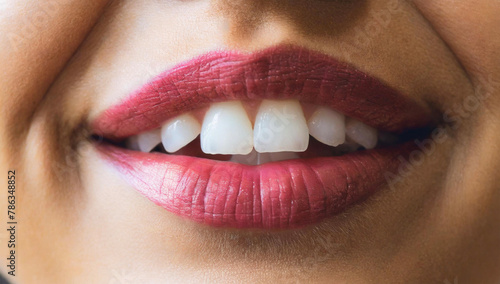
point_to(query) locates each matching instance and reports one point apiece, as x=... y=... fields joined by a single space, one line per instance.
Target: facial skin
x=66 y=62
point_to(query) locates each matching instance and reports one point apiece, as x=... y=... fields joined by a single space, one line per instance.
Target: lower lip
x=281 y=195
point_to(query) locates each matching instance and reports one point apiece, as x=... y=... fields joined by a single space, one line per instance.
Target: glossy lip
x=280 y=195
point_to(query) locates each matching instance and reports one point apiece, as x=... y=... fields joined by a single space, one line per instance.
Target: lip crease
x=279 y=195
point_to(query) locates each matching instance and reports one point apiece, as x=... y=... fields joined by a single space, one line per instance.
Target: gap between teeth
x=279 y=129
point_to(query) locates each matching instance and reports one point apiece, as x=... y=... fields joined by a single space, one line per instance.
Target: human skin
x=81 y=223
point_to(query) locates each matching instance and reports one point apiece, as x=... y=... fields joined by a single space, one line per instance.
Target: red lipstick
x=278 y=195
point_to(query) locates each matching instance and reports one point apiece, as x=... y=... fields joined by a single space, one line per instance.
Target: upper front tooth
x=179 y=131
x=226 y=130
x=280 y=126
x=361 y=133
x=327 y=126
x=147 y=141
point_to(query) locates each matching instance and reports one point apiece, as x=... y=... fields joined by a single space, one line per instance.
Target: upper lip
x=280 y=72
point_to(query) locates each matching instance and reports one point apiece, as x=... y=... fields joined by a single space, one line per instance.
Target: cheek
x=137 y=48
x=33 y=61
x=471 y=30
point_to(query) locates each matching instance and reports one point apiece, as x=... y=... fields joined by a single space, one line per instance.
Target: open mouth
x=277 y=139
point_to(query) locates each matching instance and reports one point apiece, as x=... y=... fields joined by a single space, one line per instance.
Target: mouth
x=278 y=139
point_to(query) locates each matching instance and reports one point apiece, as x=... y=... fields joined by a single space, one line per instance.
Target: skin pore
x=67 y=61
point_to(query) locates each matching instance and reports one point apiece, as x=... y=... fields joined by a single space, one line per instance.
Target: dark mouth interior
x=315 y=149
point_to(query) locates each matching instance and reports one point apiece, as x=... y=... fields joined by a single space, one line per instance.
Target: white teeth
x=279 y=132
x=147 y=141
x=327 y=126
x=226 y=130
x=179 y=131
x=280 y=126
x=361 y=133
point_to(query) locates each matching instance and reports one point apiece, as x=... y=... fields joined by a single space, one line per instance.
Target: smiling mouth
x=278 y=139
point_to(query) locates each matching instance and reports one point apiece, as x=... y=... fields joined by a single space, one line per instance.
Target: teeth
x=180 y=131
x=226 y=130
x=327 y=126
x=280 y=126
x=361 y=133
x=283 y=156
x=147 y=141
x=279 y=132
x=252 y=159
x=256 y=158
